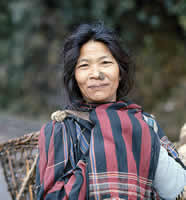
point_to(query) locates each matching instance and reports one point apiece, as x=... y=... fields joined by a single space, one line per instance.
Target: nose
x=94 y=72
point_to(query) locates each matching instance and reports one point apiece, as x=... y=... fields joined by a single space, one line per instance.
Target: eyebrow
x=83 y=60
x=86 y=60
x=102 y=57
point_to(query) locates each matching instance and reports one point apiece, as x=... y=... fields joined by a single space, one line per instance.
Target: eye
x=106 y=62
x=83 y=65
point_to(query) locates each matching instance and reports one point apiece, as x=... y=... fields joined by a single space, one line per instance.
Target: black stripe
x=120 y=146
x=121 y=153
x=136 y=138
x=48 y=133
x=58 y=151
x=136 y=141
x=40 y=192
x=71 y=131
x=98 y=144
x=60 y=194
x=155 y=149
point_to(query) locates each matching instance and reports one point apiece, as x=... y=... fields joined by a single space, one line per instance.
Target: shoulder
x=150 y=120
x=164 y=141
x=51 y=127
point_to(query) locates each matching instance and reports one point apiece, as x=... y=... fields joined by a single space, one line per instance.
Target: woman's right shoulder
x=51 y=127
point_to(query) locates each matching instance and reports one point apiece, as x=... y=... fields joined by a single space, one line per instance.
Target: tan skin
x=95 y=57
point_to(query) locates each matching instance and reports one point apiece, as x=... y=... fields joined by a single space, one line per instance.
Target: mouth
x=98 y=86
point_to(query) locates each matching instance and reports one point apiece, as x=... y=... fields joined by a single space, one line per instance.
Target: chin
x=100 y=100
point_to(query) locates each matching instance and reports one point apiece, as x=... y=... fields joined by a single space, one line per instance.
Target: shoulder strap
x=60 y=115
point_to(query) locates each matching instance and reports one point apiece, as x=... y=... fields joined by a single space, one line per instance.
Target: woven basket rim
x=19 y=140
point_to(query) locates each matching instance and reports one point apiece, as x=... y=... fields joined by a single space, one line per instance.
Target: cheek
x=80 y=78
x=116 y=80
x=116 y=76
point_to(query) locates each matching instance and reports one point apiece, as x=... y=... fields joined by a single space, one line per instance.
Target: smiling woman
x=102 y=146
x=106 y=41
x=95 y=59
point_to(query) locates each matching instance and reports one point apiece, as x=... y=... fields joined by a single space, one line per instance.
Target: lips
x=95 y=86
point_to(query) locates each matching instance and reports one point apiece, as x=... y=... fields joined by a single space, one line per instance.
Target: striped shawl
x=114 y=157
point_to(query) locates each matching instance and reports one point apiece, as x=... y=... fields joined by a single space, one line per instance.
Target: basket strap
x=60 y=115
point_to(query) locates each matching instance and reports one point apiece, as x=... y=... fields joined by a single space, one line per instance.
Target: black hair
x=71 y=53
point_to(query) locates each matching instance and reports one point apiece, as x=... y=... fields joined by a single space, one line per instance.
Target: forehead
x=93 y=49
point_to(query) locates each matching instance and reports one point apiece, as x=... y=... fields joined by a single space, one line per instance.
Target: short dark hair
x=71 y=53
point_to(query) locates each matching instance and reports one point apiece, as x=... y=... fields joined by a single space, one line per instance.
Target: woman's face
x=95 y=57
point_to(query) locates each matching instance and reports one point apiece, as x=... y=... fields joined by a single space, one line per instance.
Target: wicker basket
x=18 y=159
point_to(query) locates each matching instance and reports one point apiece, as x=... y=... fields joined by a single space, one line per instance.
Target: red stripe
x=145 y=154
x=42 y=154
x=58 y=186
x=49 y=174
x=68 y=186
x=126 y=126
x=109 y=144
x=82 y=193
x=130 y=106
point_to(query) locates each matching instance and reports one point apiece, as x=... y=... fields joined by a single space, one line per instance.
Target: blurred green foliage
x=32 y=34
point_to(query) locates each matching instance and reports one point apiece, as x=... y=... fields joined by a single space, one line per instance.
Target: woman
x=102 y=146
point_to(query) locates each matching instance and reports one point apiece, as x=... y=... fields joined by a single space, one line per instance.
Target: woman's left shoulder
x=150 y=120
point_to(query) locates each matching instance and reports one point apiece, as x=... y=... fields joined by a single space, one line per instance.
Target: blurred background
x=31 y=38
x=32 y=35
